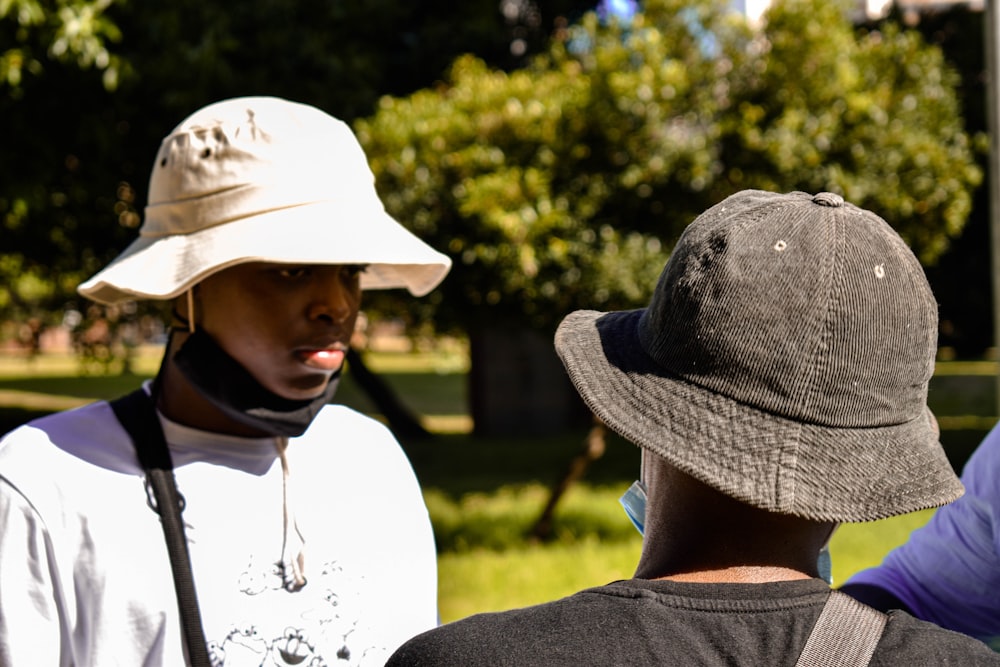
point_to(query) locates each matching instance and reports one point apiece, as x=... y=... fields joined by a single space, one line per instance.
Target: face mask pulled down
x=227 y=385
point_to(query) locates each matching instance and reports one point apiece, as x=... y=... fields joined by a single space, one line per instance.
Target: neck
x=695 y=533
x=683 y=558
x=180 y=402
x=740 y=574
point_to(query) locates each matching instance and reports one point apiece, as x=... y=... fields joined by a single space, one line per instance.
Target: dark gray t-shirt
x=639 y=622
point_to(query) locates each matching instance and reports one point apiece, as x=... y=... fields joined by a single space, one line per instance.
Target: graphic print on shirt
x=330 y=620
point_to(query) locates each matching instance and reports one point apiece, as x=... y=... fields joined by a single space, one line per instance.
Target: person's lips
x=324 y=359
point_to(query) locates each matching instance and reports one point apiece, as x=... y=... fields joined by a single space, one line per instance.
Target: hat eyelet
x=780 y=245
x=207 y=152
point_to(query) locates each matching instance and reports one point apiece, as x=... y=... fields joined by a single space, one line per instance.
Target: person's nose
x=333 y=301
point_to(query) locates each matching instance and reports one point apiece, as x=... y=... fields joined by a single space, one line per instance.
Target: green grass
x=485 y=494
x=488 y=562
x=481 y=581
x=857 y=546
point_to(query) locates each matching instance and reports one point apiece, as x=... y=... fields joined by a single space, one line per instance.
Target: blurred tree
x=961 y=279
x=73 y=32
x=54 y=54
x=555 y=182
x=874 y=116
x=89 y=87
x=564 y=184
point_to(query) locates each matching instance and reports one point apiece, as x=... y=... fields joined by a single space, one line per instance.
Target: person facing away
x=948 y=571
x=776 y=385
x=308 y=537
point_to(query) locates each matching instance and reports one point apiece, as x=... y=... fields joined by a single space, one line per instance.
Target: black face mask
x=224 y=383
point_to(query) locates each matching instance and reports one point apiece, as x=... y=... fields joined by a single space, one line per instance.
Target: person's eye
x=293 y=272
x=354 y=270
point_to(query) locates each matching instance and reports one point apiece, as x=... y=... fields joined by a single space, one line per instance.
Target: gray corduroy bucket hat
x=263 y=179
x=783 y=360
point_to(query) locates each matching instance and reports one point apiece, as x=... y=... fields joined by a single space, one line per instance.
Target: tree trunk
x=517 y=385
x=593 y=449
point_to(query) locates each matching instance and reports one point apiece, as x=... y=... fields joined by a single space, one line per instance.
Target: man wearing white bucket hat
x=777 y=386
x=273 y=528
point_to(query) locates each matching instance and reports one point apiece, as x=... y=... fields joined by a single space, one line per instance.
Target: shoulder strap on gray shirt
x=845 y=634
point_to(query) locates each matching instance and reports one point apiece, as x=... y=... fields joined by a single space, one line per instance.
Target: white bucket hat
x=262 y=179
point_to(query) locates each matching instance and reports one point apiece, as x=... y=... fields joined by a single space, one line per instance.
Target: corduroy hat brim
x=164 y=267
x=813 y=471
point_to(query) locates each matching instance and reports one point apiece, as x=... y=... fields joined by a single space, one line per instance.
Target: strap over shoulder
x=845 y=635
x=137 y=414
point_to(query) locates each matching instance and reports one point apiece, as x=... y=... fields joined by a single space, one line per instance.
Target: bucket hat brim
x=166 y=266
x=809 y=470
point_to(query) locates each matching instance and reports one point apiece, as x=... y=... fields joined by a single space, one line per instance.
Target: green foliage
x=563 y=185
x=75 y=32
x=89 y=87
x=20 y=282
x=502 y=519
x=559 y=185
x=873 y=115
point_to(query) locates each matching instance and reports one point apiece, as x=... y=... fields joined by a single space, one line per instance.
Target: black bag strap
x=845 y=635
x=137 y=414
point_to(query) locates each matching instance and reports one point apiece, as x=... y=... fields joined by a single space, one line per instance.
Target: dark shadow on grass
x=83 y=386
x=460 y=464
x=11 y=418
x=959 y=444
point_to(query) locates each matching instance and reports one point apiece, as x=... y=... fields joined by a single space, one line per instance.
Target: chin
x=304 y=390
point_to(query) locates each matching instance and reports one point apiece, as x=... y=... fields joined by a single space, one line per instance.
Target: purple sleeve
x=948 y=572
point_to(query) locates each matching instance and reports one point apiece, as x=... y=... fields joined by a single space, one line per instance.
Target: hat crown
x=244 y=156
x=802 y=306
